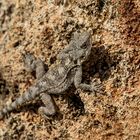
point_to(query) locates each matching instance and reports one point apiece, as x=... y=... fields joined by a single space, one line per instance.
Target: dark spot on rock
x=10 y=9
x=96 y=123
x=101 y=4
x=16 y=44
x=52 y=60
x=16 y=88
x=110 y=112
x=108 y=126
x=50 y=47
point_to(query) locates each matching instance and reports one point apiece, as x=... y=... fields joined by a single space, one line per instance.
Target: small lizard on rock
x=58 y=79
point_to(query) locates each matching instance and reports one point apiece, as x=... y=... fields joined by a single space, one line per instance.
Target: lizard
x=57 y=79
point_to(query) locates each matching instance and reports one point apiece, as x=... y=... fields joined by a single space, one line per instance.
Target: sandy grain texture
x=44 y=28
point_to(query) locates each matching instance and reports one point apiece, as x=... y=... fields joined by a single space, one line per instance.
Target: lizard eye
x=82 y=57
x=84 y=46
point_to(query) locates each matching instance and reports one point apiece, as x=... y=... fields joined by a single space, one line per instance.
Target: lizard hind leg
x=50 y=106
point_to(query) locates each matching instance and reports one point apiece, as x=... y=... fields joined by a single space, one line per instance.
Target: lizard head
x=83 y=46
x=79 y=49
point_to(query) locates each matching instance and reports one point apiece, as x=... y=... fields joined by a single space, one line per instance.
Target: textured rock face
x=44 y=28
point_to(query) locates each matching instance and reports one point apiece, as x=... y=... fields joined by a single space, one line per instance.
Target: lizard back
x=55 y=81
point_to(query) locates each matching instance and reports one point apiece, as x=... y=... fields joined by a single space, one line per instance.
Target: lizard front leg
x=83 y=86
x=50 y=107
x=33 y=64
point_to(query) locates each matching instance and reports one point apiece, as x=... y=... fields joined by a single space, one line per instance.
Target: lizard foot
x=97 y=87
x=46 y=113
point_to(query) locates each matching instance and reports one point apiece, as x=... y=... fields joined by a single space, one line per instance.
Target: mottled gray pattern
x=58 y=79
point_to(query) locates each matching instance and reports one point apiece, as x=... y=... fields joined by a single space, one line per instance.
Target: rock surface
x=44 y=28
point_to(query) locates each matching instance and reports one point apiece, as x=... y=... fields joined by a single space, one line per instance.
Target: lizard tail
x=29 y=95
